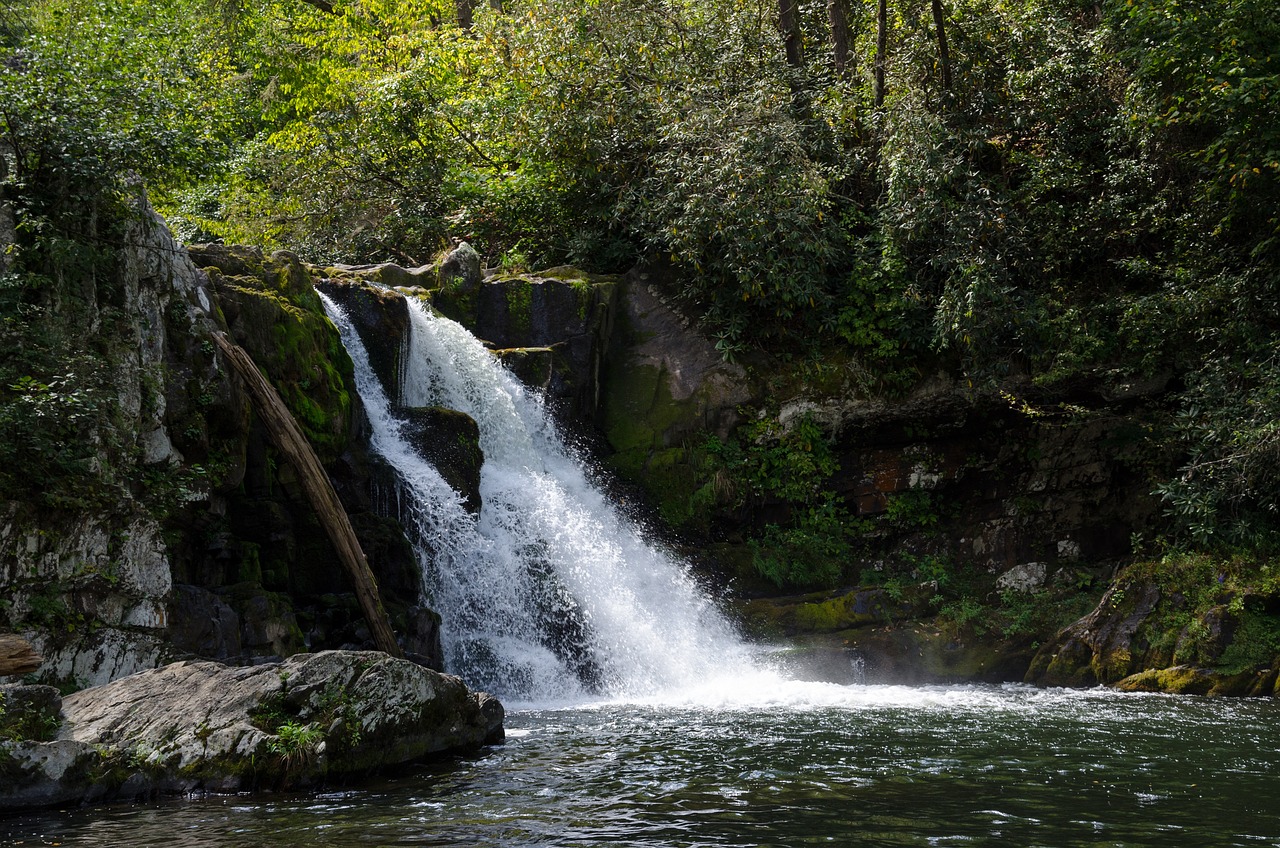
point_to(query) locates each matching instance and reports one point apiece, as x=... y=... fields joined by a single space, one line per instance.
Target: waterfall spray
x=551 y=593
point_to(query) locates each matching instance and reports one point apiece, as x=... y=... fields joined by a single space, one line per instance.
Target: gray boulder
x=203 y=725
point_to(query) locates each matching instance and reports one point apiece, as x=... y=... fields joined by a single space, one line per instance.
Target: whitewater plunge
x=551 y=593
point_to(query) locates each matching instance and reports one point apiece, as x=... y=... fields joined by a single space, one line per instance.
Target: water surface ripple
x=860 y=765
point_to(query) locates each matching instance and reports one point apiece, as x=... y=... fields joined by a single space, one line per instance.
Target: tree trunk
x=464 y=8
x=882 y=49
x=288 y=438
x=8 y=222
x=495 y=5
x=17 y=656
x=789 y=25
x=944 y=58
x=838 y=14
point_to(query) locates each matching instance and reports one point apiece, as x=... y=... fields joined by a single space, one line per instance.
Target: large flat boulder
x=206 y=726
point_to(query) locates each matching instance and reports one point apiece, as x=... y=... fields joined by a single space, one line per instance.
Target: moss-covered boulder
x=272 y=310
x=1102 y=647
x=1188 y=680
x=1187 y=623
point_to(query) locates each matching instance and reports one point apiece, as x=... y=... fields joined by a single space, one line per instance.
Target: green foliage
x=45 y=434
x=810 y=553
x=1207 y=72
x=1092 y=200
x=769 y=460
x=1255 y=644
x=296 y=745
x=1214 y=609
x=1226 y=493
x=18 y=724
x=913 y=509
x=92 y=101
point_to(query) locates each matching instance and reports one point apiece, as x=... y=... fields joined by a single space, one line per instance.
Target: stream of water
x=551 y=592
x=636 y=717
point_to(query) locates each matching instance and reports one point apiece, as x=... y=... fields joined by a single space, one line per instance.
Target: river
x=806 y=764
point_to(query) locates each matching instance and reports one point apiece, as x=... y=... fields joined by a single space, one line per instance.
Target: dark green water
x=812 y=765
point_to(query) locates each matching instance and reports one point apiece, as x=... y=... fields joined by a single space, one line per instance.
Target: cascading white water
x=551 y=593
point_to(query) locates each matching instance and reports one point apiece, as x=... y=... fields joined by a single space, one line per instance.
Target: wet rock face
x=450 y=441
x=666 y=388
x=561 y=320
x=381 y=317
x=200 y=725
x=203 y=624
x=1014 y=495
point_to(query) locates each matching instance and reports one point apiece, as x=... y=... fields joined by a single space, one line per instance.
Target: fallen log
x=17 y=656
x=289 y=440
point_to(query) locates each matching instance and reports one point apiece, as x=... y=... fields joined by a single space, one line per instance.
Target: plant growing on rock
x=296 y=745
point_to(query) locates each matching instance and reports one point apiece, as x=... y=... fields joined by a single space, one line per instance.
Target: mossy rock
x=381 y=318
x=639 y=413
x=534 y=366
x=825 y=612
x=1106 y=645
x=272 y=310
x=915 y=655
x=666 y=390
x=1197 y=680
x=851 y=610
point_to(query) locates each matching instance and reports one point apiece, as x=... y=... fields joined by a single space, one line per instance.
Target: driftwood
x=288 y=439
x=17 y=656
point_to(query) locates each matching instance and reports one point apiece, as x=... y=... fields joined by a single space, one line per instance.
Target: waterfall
x=551 y=593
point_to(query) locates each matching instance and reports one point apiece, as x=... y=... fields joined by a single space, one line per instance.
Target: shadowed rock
x=450 y=441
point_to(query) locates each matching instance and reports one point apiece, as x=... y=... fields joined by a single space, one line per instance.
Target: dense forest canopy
x=1064 y=192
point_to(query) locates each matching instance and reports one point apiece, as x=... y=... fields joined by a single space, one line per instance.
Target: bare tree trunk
x=838 y=14
x=944 y=58
x=495 y=5
x=288 y=438
x=789 y=24
x=464 y=8
x=882 y=49
x=17 y=656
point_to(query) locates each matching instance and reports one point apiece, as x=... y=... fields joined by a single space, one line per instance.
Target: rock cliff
x=184 y=533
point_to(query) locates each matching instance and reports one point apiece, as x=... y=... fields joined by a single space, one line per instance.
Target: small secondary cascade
x=550 y=593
